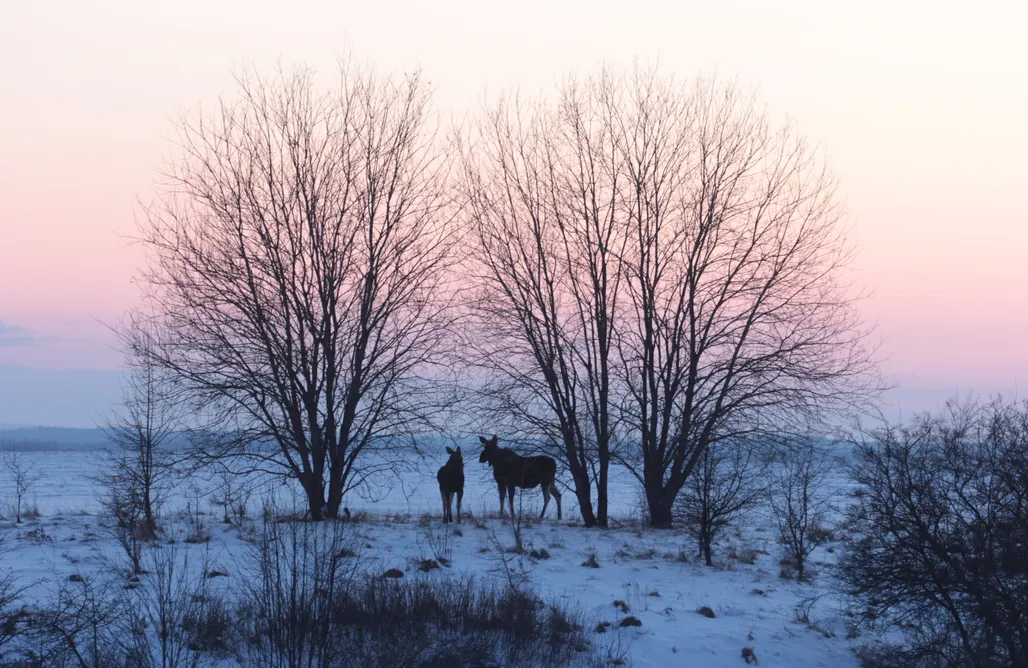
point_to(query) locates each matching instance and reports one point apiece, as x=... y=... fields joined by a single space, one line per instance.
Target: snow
x=653 y=572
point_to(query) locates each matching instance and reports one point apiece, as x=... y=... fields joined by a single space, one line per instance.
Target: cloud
x=13 y=336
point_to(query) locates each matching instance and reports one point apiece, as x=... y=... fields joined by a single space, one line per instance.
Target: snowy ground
x=654 y=574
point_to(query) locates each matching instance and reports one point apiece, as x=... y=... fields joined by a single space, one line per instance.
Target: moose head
x=489 y=448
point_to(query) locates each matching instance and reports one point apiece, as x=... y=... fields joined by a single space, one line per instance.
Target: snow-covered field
x=654 y=574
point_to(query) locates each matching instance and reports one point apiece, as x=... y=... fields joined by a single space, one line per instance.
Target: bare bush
x=939 y=536
x=164 y=619
x=294 y=573
x=727 y=481
x=512 y=563
x=297 y=274
x=459 y=622
x=85 y=622
x=305 y=604
x=168 y=608
x=801 y=501
x=13 y=615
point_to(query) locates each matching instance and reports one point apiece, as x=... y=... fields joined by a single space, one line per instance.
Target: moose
x=451 y=481
x=511 y=470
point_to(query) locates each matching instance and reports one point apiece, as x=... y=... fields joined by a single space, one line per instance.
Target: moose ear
x=484 y=440
x=458 y=451
x=450 y=451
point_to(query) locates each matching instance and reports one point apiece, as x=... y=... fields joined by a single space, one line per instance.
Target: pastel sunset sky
x=922 y=108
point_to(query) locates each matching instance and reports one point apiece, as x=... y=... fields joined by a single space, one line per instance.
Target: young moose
x=511 y=470
x=451 y=481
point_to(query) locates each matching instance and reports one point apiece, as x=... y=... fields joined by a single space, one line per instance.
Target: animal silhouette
x=451 y=482
x=511 y=470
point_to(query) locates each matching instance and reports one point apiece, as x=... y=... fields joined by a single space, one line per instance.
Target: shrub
x=12 y=613
x=209 y=626
x=432 y=622
x=800 y=502
x=939 y=537
x=725 y=484
x=304 y=603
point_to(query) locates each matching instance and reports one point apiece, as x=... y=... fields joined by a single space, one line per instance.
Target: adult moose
x=511 y=470
x=451 y=481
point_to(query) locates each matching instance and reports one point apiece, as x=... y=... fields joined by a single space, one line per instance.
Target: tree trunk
x=315 y=505
x=335 y=486
x=149 y=523
x=601 y=489
x=706 y=533
x=588 y=517
x=314 y=487
x=583 y=491
x=658 y=500
x=660 y=513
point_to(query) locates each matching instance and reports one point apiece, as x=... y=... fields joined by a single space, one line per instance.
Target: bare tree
x=739 y=320
x=800 y=500
x=23 y=477
x=138 y=471
x=660 y=267
x=297 y=269
x=542 y=189
x=726 y=482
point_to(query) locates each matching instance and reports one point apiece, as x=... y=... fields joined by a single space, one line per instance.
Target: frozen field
x=654 y=574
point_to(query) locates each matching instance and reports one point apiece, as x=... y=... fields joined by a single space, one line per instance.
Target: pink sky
x=921 y=106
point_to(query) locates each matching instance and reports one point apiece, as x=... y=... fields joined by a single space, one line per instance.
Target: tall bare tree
x=542 y=187
x=739 y=316
x=658 y=267
x=298 y=266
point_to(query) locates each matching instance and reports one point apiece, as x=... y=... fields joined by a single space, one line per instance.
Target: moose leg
x=460 y=498
x=510 y=498
x=546 y=499
x=556 y=495
x=446 y=506
x=500 y=486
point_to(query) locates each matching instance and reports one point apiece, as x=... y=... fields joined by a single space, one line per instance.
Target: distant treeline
x=50 y=439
